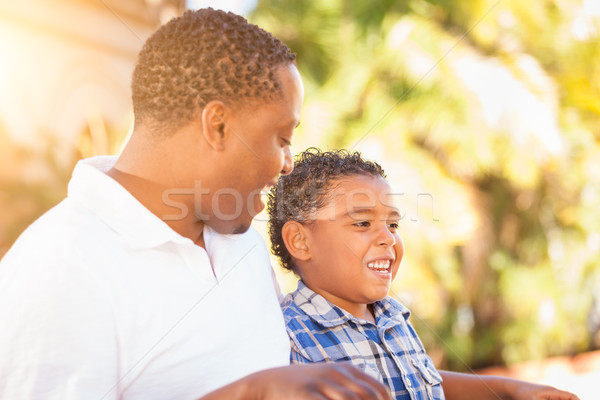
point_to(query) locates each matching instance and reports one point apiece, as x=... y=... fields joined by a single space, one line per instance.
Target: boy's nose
x=386 y=237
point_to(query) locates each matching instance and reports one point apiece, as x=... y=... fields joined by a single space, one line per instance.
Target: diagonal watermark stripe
x=123 y=22
x=407 y=92
x=184 y=316
x=183 y=80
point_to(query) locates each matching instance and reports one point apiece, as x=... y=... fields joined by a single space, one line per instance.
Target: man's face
x=355 y=248
x=258 y=154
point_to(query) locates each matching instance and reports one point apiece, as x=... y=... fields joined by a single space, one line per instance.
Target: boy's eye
x=363 y=224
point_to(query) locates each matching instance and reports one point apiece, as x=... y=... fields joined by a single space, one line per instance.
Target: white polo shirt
x=100 y=299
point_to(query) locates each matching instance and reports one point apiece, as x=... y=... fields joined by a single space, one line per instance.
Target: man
x=147 y=280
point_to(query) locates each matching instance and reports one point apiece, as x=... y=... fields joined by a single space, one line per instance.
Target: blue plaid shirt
x=389 y=351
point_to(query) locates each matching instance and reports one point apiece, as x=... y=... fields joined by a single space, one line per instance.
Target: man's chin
x=229 y=228
x=240 y=229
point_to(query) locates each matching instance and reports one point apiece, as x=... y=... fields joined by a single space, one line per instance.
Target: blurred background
x=484 y=113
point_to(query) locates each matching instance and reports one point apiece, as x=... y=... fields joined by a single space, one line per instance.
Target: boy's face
x=354 y=245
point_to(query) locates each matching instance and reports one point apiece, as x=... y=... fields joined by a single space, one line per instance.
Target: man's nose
x=288 y=162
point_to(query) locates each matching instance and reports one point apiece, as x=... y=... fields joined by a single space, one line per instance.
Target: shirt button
x=409 y=384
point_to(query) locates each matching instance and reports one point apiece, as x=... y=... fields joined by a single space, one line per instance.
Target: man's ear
x=294 y=237
x=213 y=124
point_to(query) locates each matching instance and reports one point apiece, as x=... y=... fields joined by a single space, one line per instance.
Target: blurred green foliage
x=486 y=115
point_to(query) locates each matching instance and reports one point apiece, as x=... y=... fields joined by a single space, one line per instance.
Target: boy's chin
x=375 y=297
x=380 y=294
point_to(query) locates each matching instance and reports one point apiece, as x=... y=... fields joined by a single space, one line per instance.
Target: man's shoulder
x=59 y=238
x=49 y=228
x=47 y=263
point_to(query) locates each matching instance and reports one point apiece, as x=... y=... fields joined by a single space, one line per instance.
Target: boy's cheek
x=399 y=248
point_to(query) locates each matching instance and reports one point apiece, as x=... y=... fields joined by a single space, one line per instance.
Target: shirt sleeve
x=58 y=337
x=296 y=356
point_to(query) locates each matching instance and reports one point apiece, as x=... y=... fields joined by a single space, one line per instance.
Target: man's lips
x=267 y=188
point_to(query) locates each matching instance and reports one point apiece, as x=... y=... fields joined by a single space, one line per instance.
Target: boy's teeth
x=379 y=265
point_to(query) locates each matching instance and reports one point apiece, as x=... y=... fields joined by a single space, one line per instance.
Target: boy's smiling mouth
x=381 y=267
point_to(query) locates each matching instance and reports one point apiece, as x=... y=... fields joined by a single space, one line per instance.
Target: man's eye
x=363 y=224
x=394 y=225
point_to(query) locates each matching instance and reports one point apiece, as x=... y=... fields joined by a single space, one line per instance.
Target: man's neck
x=175 y=210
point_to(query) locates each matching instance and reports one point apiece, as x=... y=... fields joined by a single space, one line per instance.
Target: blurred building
x=65 y=71
x=66 y=64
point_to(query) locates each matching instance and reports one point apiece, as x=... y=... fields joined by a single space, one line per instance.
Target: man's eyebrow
x=290 y=123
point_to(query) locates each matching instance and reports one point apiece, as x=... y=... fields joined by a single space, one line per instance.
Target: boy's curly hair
x=297 y=196
x=201 y=56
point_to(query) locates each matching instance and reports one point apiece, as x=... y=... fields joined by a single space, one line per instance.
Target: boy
x=333 y=223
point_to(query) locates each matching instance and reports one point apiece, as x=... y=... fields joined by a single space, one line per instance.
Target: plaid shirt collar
x=329 y=315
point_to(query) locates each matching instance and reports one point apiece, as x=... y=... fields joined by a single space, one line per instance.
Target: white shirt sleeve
x=57 y=335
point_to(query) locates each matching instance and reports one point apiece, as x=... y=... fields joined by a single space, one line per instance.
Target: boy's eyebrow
x=364 y=210
x=394 y=213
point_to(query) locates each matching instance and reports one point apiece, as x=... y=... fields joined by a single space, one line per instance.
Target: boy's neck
x=361 y=311
x=370 y=314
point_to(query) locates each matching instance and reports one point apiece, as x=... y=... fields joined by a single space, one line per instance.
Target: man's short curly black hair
x=201 y=56
x=297 y=196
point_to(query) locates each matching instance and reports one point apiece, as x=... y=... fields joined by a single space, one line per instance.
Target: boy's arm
x=482 y=387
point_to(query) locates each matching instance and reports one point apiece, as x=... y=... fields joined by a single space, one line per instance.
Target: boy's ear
x=294 y=237
x=213 y=124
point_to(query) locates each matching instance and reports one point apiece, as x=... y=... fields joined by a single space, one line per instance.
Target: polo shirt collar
x=115 y=206
x=388 y=311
